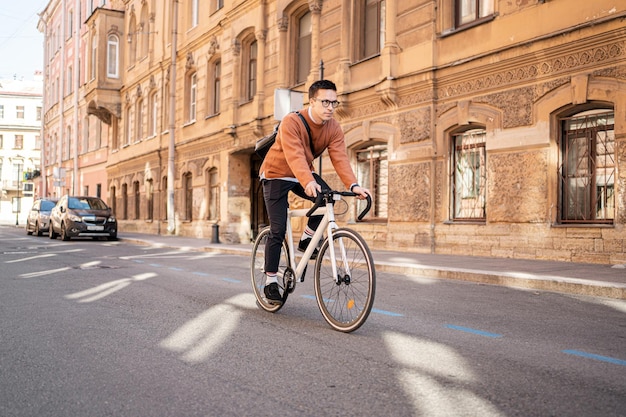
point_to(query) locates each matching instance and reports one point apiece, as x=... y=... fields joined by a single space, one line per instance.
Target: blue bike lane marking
x=473 y=331
x=596 y=357
x=470 y=330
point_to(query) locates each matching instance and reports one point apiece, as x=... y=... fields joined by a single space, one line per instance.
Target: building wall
x=513 y=74
x=19 y=184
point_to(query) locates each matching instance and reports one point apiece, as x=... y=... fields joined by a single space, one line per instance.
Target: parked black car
x=38 y=220
x=78 y=216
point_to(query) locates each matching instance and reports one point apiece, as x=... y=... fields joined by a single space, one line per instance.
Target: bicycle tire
x=347 y=304
x=257 y=271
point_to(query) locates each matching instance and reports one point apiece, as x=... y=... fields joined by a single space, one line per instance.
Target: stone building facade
x=486 y=127
x=20 y=146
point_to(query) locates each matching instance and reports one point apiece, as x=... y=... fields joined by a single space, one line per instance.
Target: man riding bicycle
x=288 y=166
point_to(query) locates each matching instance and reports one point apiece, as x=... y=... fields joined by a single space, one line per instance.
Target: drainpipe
x=43 y=27
x=171 y=221
x=76 y=75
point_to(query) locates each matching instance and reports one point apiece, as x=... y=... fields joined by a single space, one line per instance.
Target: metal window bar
x=468 y=176
x=587 y=169
x=372 y=173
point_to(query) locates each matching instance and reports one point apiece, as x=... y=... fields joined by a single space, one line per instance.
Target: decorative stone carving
x=565 y=63
x=315 y=6
x=517 y=187
x=190 y=61
x=236 y=47
x=214 y=46
x=516 y=105
x=413 y=206
x=415 y=125
x=283 y=23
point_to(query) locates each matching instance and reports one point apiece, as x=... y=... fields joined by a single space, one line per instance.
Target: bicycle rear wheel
x=257 y=270
x=345 y=300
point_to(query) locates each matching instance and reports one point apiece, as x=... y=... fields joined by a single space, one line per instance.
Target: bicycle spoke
x=257 y=271
x=345 y=300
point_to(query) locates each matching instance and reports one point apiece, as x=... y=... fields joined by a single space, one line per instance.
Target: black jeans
x=275 y=194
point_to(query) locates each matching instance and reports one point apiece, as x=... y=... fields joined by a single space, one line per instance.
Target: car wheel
x=38 y=232
x=51 y=232
x=64 y=235
x=28 y=232
x=113 y=237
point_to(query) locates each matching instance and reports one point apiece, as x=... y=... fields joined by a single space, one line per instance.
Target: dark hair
x=321 y=85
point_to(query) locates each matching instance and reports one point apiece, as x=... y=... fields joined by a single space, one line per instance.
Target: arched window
x=124 y=201
x=132 y=41
x=113 y=201
x=94 y=56
x=152 y=114
x=127 y=123
x=137 y=199
x=145 y=31
x=113 y=53
x=164 y=198
x=213 y=193
x=188 y=189
x=149 y=200
x=587 y=167
x=303 y=51
x=468 y=175
x=139 y=121
x=214 y=86
x=191 y=94
x=250 y=66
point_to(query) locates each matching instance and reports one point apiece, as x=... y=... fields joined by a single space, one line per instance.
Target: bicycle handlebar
x=326 y=194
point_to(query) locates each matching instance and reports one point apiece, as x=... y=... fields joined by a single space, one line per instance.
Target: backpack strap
x=308 y=129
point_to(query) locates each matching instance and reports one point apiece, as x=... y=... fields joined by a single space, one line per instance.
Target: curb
x=521 y=280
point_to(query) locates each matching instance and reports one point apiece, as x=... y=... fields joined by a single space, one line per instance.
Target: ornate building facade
x=483 y=127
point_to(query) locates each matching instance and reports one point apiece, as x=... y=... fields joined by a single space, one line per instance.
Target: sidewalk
x=564 y=277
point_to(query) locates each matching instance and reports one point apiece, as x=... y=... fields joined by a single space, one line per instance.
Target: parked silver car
x=82 y=216
x=38 y=220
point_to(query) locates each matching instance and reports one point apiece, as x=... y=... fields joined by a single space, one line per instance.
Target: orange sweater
x=291 y=157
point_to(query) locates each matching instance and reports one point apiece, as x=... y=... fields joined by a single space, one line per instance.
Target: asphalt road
x=97 y=328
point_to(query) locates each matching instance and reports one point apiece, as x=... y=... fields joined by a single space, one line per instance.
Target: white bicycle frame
x=327 y=225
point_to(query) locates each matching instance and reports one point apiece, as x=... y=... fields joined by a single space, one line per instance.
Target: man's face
x=328 y=97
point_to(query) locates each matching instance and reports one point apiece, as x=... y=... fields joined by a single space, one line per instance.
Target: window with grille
x=587 y=167
x=468 y=176
x=372 y=173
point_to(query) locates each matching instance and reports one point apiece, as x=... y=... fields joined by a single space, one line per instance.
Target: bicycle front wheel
x=346 y=298
x=257 y=270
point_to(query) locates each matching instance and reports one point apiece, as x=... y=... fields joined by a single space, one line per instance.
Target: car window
x=47 y=205
x=86 y=204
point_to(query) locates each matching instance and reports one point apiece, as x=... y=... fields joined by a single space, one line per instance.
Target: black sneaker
x=272 y=294
x=304 y=243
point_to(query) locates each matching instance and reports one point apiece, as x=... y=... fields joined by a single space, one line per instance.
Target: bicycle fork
x=345 y=279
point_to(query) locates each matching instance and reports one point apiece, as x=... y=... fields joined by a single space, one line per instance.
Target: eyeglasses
x=327 y=103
